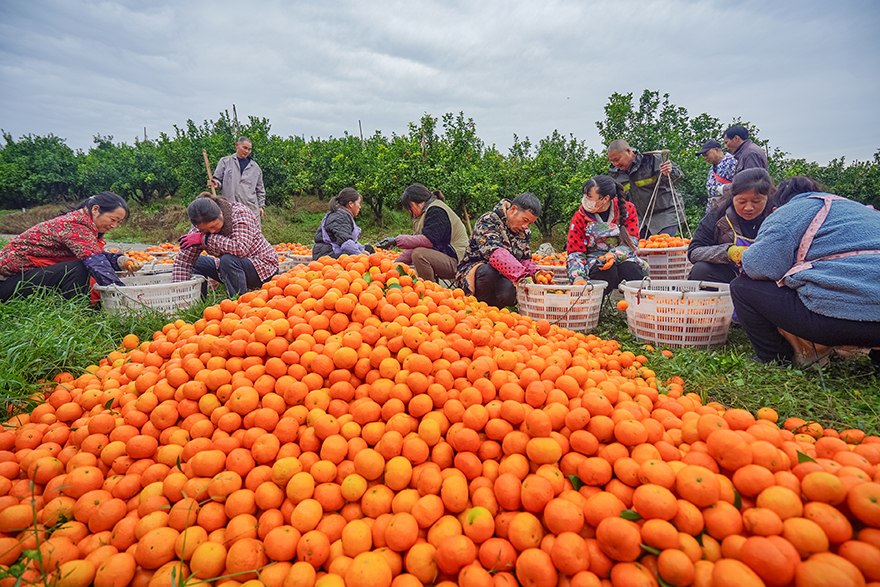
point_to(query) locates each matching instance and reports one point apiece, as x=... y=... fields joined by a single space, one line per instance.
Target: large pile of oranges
x=349 y=425
x=663 y=241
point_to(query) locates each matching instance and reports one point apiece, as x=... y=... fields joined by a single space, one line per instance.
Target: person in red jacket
x=66 y=252
x=603 y=236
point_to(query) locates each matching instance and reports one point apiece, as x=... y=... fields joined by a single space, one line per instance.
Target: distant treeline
x=444 y=154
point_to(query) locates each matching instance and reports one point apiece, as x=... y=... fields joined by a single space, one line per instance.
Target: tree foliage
x=443 y=153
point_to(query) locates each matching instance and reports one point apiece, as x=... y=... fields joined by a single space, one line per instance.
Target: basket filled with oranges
x=575 y=307
x=554 y=263
x=292 y=254
x=692 y=314
x=666 y=256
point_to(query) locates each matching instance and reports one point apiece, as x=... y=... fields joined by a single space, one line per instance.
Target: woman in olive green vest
x=438 y=241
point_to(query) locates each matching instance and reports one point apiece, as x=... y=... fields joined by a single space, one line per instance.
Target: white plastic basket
x=669 y=263
x=678 y=313
x=560 y=272
x=575 y=307
x=156 y=291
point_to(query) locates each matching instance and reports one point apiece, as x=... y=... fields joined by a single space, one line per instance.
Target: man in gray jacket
x=747 y=154
x=241 y=179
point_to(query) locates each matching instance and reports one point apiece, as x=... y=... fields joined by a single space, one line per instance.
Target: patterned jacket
x=491 y=235
x=590 y=237
x=247 y=240
x=64 y=238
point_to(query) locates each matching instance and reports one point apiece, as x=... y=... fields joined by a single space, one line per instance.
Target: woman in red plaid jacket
x=237 y=252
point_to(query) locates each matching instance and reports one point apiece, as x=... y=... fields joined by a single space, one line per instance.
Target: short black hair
x=737 y=130
x=528 y=202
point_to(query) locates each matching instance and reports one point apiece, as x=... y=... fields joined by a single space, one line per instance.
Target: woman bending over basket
x=438 y=240
x=338 y=233
x=730 y=227
x=810 y=278
x=237 y=252
x=597 y=247
x=63 y=253
x=498 y=253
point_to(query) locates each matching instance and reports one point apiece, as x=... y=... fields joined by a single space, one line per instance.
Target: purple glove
x=192 y=239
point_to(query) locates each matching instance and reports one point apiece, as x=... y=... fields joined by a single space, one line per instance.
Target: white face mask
x=591 y=205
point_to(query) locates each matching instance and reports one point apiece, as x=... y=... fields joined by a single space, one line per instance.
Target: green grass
x=45 y=334
x=844 y=394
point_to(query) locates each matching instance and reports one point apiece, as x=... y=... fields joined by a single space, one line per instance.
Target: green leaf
x=737 y=500
x=650 y=549
x=631 y=515
x=400 y=270
x=109 y=404
x=368 y=277
x=395 y=286
x=576 y=482
x=802 y=458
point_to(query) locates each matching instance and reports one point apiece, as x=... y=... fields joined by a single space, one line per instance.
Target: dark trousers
x=71 y=278
x=717 y=272
x=763 y=307
x=626 y=271
x=238 y=274
x=493 y=288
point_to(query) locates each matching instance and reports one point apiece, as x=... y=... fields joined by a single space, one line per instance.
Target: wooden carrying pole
x=468 y=218
x=208 y=169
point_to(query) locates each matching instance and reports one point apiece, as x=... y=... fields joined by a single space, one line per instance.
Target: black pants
x=626 y=271
x=493 y=288
x=238 y=274
x=763 y=307
x=717 y=272
x=71 y=278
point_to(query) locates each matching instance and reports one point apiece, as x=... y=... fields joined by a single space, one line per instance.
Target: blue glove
x=192 y=239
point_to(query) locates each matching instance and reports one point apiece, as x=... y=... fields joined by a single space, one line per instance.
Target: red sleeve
x=576 y=234
x=632 y=220
x=79 y=238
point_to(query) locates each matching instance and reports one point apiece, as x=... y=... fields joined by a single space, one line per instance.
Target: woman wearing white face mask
x=602 y=236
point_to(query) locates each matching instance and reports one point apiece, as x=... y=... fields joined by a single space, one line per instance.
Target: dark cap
x=708 y=145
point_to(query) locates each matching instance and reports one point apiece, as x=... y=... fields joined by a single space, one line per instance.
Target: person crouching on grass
x=238 y=255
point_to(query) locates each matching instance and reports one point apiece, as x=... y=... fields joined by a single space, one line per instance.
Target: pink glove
x=192 y=239
x=507 y=265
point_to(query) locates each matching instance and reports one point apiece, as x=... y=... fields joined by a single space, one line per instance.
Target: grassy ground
x=45 y=335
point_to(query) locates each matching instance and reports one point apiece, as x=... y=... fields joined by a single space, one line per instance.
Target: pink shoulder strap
x=801 y=262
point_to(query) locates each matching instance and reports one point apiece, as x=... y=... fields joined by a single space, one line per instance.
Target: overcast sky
x=805 y=72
